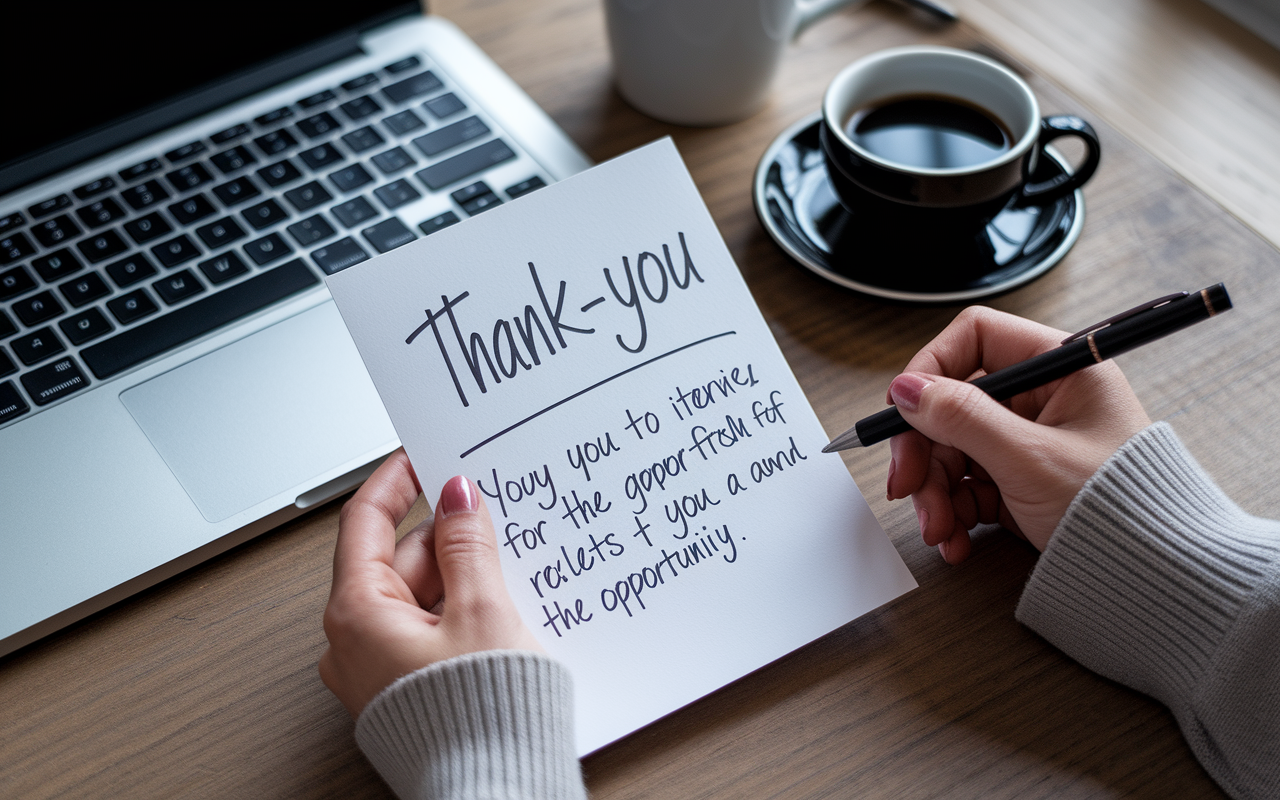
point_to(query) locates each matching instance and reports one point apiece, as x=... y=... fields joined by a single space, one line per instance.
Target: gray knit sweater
x=1153 y=578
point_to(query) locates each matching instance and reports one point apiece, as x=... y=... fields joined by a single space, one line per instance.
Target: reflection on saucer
x=798 y=207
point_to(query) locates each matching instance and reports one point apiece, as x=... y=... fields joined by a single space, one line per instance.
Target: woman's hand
x=438 y=593
x=973 y=460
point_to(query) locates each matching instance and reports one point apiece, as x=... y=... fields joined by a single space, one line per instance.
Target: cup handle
x=810 y=11
x=1052 y=128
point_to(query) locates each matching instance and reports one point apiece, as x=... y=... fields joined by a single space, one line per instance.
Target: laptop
x=174 y=377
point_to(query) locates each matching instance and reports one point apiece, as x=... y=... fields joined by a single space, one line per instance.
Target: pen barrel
x=1125 y=335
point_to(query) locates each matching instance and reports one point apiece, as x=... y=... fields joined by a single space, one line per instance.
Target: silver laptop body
x=129 y=466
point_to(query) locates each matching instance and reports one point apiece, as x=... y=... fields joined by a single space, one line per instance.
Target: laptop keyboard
x=129 y=266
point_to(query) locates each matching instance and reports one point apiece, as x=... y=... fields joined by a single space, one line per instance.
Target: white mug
x=703 y=62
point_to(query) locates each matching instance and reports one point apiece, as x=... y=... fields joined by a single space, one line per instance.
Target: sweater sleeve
x=1155 y=579
x=497 y=724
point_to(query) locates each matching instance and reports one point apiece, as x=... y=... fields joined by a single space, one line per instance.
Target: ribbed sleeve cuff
x=1148 y=570
x=497 y=724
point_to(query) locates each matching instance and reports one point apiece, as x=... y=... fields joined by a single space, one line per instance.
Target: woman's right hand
x=972 y=460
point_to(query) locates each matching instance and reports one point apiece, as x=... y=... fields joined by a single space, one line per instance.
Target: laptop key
x=219 y=233
x=234 y=132
x=275 y=142
x=308 y=196
x=15 y=282
x=124 y=350
x=7 y=365
x=85 y=326
x=185 y=152
x=7 y=328
x=11 y=403
x=144 y=194
x=321 y=156
x=264 y=214
x=362 y=81
x=53 y=232
x=57 y=265
x=451 y=136
x=177 y=287
x=37 y=308
x=464 y=165
x=403 y=65
x=360 y=108
x=176 y=250
x=101 y=246
x=310 y=230
x=84 y=290
x=37 y=346
x=12 y=221
x=130 y=270
x=223 y=268
x=363 y=139
x=267 y=249
x=272 y=117
x=15 y=246
x=409 y=88
x=353 y=212
x=144 y=229
x=237 y=191
x=388 y=235
x=189 y=177
x=138 y=170
x=525 y=186
x=438 y=223
x=405 y=122
x=93 y=188
x=393 y=161
x=338 y=256
x=350 y=178
x=233 y=159
x=102 y=212
x=319 y=126
x=446 y=105
x=131 y=307
x=396 y=194
x=279 y=173
x=50 y=206
x=194 y=208
x=319 y=98
x=57 y=380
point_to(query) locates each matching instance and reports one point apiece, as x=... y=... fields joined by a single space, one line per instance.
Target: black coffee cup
x=889 y=135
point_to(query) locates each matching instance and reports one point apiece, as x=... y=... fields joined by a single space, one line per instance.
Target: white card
x=591 y=357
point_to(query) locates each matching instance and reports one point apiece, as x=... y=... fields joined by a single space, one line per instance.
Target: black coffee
x=929 y=131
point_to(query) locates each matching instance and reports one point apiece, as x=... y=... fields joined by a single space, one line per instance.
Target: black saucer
x=794 y=200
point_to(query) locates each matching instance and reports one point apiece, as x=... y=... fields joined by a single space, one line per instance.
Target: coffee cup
x=938 y=139
x=703 y=62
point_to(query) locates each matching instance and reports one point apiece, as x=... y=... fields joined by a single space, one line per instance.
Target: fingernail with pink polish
x=893 y=465
x=906 y=389
x=922 y=515
x=459 y=495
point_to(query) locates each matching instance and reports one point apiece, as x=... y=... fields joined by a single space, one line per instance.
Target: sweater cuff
x=1147 y=572
x=496 y=724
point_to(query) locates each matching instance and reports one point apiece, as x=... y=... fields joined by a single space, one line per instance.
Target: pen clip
x=1147 y=306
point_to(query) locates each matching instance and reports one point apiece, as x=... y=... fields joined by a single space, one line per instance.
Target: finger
x=466 y=548
x=982 y=339
x=910 y=454
x=957 y=547
x=962 y=416
x=415 y=562
x=932 y=502
x=367 y=526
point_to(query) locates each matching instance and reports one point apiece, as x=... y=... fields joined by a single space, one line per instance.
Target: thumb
x=466 y=548
x=960 y=415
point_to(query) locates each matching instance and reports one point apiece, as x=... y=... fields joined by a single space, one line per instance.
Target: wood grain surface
x=206 y=685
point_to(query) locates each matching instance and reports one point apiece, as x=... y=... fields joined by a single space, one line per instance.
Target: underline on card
x=592 y=387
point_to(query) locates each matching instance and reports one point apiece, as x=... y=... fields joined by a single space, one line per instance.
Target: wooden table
x=206 y=685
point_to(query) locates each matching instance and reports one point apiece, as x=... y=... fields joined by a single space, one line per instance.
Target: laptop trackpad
x=264 y=415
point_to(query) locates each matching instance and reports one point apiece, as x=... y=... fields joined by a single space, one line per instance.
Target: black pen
x=1093 y=345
